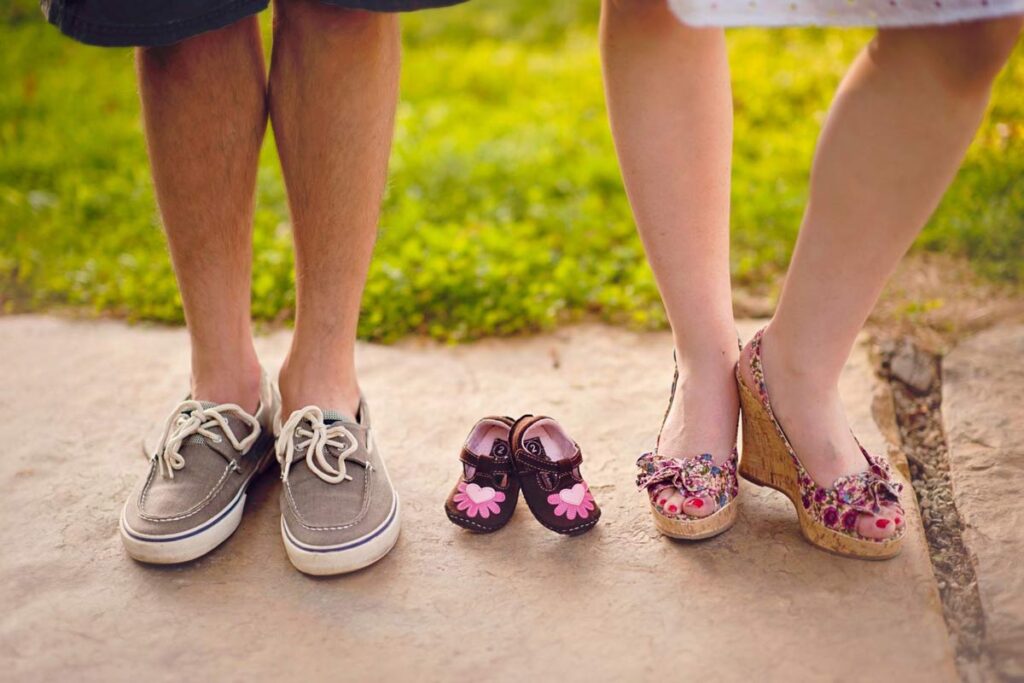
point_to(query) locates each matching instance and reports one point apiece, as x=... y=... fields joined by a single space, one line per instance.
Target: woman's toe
x=698 y=506
x=878 y=527
x=895 y=512
x=674 y=504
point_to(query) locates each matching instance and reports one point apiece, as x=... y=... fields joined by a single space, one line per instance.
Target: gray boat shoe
x=192 y=498
x=339 y=510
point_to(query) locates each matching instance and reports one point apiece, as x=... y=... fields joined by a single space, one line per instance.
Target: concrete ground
x=983 y=408
x=620 y=603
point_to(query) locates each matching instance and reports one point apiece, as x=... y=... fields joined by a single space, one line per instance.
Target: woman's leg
x=670 y=105
x=895 y=136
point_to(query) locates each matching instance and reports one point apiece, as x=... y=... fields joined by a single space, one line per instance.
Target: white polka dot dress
x=839 y=12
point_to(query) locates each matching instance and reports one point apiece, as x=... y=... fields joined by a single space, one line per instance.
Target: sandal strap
x=757 y=367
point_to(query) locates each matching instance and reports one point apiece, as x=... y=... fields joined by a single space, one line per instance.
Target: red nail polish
x=664 y=500
x=898 y=520
x=881 y=523
x=671 y=508
x=697 y=503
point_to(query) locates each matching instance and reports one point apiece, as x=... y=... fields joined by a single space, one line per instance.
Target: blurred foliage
x=505 y=211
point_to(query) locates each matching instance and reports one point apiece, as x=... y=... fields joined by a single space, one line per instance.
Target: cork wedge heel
x=827 y=516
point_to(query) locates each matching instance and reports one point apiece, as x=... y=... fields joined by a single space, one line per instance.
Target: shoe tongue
x=205 y=404
x=535 y=448
x=198 y=439
x=500 y=448
x=332 y=416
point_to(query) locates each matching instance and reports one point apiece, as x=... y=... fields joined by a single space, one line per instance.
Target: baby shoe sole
x=696 y=529
x=470 y=525
x=575 y=530
x=766 y=462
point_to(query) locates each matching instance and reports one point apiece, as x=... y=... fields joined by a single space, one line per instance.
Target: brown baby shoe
x=487 y=491
x=547 y=462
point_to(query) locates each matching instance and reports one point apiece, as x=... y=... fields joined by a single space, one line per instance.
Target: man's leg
x=333 y=91
x=204 y=107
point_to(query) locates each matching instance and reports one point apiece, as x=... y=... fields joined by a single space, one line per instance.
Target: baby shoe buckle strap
x=483 y=463
x=528 y=462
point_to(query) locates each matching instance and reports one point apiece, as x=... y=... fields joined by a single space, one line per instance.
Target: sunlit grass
x=504 y=212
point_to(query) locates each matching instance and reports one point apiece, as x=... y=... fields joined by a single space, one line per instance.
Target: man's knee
x=318 y=18
x=196 y=52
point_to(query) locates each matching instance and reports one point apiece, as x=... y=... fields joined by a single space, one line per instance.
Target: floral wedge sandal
x=828 y=516
x=697 y=479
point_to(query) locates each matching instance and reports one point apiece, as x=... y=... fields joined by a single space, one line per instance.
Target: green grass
x=505 y=211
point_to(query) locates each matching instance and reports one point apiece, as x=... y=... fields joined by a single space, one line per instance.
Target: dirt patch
x=936 y=300
x=914 y=377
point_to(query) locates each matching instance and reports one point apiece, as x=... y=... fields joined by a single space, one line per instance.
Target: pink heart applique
x=573 y=496
x=480 y=494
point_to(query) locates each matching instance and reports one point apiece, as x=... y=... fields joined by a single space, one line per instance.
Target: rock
x=883 y=410
x=917 y=369
x=983 y=408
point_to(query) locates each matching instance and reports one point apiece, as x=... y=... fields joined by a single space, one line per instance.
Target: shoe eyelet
x=501 y=480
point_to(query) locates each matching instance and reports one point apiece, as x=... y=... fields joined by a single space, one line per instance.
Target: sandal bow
x=697 y=477
x=866 y=491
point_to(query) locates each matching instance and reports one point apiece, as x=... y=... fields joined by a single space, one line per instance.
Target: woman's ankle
x=784 y=362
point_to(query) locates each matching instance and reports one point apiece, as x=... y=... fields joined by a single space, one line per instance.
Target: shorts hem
x=89 y=32
x=113 y=35
x=391 y=5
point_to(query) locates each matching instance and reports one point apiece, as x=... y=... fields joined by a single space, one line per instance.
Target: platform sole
x=696 y=529
x=766 y=462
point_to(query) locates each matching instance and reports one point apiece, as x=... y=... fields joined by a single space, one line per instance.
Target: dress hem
x=717 y=18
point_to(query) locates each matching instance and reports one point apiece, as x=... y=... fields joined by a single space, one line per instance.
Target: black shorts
x=146 y=23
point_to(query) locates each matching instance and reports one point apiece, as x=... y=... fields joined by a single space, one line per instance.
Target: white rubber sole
x=348 y=557
x=187 y=545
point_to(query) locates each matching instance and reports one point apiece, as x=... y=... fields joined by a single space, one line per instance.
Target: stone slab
x=983 y=408
x=620 y=603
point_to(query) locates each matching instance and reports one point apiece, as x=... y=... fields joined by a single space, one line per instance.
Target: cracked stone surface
x=620 y=603
x=983 y=408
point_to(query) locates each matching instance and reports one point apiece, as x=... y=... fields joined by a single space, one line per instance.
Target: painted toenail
x=697 y=503
x=881 y=523
x=898 y=520
x=671 y=508
x=663 y=501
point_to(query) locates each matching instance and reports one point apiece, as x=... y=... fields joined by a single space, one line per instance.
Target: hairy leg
x=333 y=92
x=204 y=108
x=670 y=104
x=895 y=136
